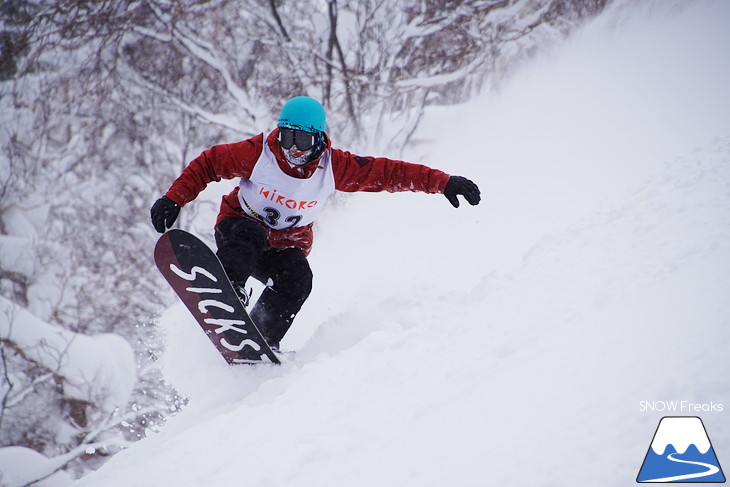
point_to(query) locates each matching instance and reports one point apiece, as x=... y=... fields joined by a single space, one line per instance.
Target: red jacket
x=352 y=173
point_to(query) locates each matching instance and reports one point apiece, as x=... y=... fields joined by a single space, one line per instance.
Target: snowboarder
x=264 y=228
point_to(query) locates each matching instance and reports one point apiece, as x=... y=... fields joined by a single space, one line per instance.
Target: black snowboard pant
x=244 y=251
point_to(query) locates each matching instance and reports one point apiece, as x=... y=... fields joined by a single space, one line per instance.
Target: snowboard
x=197 y=276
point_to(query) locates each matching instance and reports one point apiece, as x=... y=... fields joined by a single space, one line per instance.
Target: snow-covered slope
x=509 y=343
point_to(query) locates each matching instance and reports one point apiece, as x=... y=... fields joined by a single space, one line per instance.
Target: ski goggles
x=303 y=140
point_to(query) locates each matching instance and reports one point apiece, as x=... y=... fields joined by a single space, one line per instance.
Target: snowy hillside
x=509 y=343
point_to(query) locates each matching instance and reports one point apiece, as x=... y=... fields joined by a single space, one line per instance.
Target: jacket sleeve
x=226 y=161
x=356 y=173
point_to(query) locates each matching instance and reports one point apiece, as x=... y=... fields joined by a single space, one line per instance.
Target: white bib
x=282 y=201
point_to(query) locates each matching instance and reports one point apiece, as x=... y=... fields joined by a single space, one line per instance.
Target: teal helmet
x=303 y=113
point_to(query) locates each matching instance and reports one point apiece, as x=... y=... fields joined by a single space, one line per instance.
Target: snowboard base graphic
x=197 y=276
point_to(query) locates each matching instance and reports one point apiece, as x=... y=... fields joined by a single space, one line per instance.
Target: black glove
x=164 y=213
x=458 y=185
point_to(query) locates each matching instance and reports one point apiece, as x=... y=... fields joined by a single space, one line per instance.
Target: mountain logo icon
x=681 y=452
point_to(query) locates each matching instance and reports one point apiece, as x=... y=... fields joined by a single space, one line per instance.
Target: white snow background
x=513 y=342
